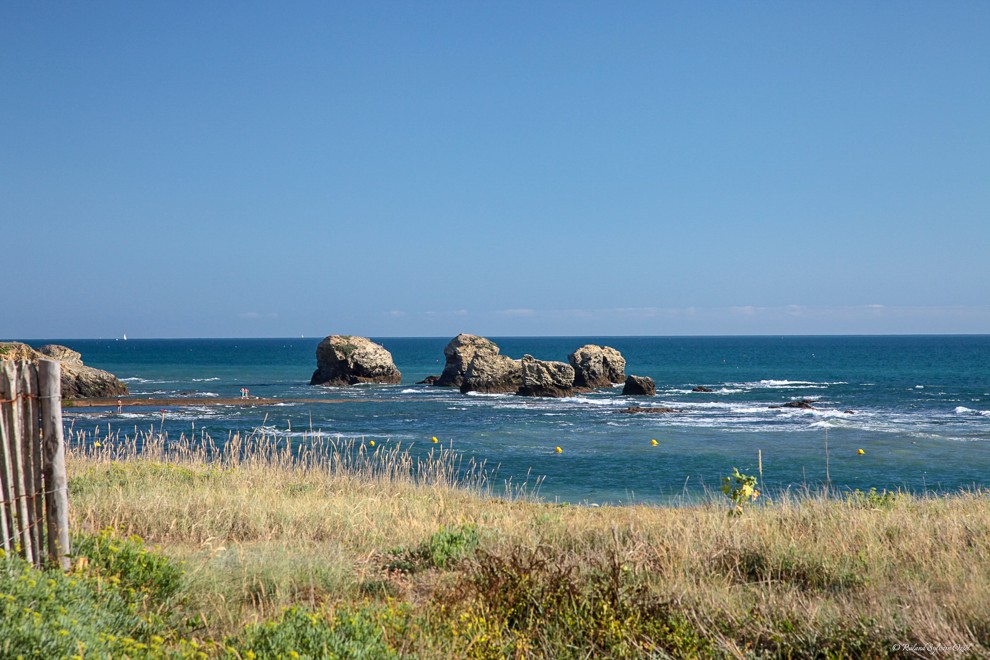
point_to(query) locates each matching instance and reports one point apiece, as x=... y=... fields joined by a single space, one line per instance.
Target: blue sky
x=200 y=169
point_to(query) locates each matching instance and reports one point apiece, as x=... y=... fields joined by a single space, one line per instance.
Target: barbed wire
x=27 y=496
x=19 y=534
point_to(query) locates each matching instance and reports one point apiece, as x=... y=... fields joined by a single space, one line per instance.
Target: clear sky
x=241 y=169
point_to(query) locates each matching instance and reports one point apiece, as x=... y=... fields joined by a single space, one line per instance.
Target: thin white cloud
x=520 y=312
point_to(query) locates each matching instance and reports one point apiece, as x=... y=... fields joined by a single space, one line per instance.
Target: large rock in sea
x=544 y=378
x=343 y=360
x=459 y=353
x=639 y=386
x=491 y=373
x=78 y=380
x=597 y=366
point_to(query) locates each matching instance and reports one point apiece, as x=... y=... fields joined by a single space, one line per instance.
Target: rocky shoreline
x=78 y=380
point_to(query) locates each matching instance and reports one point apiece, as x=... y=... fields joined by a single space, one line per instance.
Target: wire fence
x=34 y=500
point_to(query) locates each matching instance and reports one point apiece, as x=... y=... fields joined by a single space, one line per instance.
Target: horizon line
x=549 y=336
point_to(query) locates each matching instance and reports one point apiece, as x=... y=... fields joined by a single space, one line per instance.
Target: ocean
x=918 y=407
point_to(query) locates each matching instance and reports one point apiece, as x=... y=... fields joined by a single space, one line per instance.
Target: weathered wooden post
x=27 y=380
x=15 y=428
x=56 y=483
x=8 y=517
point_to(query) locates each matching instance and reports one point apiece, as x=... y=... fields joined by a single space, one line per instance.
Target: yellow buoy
x=558 y=450
x=371 y=443
x=435 y=439
x=860 y=452
x=654 y=442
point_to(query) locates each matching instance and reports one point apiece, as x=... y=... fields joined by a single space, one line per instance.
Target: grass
x=253 y=549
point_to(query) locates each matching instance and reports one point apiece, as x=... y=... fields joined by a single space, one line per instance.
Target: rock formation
x=804 y=404
x=701 y=388
x=597 y=366
x=544 y=378
x=459 y=353
x=656 y=410
x=78 y=380
x=639 y=386
x=491 y=373
x=343 y=360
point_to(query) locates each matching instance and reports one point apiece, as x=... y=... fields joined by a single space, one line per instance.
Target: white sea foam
x=829 y=413
x=205 y=380
x=590 y=401
x=963 y=410
x=736 y=408
x=772 y=384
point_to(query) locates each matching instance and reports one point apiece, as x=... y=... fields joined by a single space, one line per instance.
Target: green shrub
x=299 y=633
x=873 y=499
x=48 y=614
x=128 y=564
x=440 y=550
x=740 y=488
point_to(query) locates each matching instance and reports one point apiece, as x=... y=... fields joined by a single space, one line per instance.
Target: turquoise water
x=919 y=406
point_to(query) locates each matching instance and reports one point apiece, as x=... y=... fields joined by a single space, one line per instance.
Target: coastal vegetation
x=254 y=548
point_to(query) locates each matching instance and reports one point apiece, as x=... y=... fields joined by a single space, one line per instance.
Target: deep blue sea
x=918 y=406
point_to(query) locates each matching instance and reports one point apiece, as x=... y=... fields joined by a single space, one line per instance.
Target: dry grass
x=261 y=527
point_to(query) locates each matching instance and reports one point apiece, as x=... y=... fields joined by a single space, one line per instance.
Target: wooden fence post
x=8 y=517
x=27 y=381
x=56 y=482
x=15 y=427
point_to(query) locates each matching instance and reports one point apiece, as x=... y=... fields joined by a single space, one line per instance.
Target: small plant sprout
x=740 y=488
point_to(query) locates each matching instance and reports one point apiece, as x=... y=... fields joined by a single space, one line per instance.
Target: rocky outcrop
x=63 y=354
x=491 y=373
x=544 y=378
x=78 y=380
x=639 y=386
x=343 y=360
x=654 y=410
x=701 y=388
x=804 y=404
x=597 y=366
x=429 y=380
x=459 y=353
